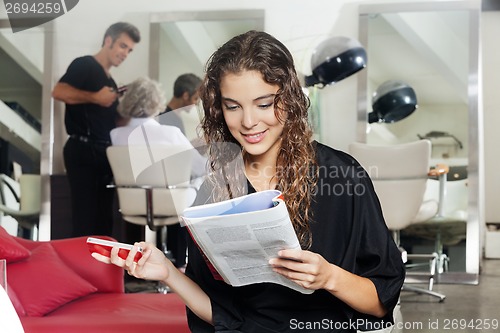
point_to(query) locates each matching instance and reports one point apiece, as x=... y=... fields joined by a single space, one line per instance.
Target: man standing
x=91 y=98
x=185 y=95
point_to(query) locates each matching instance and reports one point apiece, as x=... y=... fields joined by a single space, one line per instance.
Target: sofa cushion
x=112 y=312
x=106 y=278
x=10 y=249
x=43 y=282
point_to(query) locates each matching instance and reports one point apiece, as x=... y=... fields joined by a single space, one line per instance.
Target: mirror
x=21 y=97
x=182 y=42
x=432 y=46
x=25 y=107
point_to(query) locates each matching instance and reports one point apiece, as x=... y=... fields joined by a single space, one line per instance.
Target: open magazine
x=239 y=236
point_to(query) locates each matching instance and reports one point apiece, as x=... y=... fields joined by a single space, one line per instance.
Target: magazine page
x=239 y=236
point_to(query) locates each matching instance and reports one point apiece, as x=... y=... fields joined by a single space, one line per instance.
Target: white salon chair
x=448 y=226
x=27 y=202
x=153 y=184
x=399 y=174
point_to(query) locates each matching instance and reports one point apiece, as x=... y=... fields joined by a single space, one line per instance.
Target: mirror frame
x=475 y=220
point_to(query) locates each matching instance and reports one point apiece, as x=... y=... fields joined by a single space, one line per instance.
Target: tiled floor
x=467 y=308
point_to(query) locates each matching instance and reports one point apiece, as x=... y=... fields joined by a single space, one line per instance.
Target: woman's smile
x=254 y=137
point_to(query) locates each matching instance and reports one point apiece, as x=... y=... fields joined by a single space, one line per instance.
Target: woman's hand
x=310 y=270
x=307 y=269
x=153 y=264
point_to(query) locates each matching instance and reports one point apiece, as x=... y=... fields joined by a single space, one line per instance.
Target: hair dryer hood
x=392 y=101
x=335 y=59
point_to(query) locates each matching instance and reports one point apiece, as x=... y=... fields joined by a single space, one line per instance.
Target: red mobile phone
x=104 y=247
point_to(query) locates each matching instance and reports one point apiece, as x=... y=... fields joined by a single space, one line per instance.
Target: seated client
x=142 y=102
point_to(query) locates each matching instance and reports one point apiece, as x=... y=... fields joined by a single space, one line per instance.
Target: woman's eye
x=231 y=107
x=265 y=106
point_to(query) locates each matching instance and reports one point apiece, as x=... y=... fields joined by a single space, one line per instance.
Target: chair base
x=442 y=263
x=162 y=288
x=434 y=263
x=417 y=290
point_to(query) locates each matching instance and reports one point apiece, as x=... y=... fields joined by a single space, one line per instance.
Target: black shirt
x=90 y=120
x=348 y=230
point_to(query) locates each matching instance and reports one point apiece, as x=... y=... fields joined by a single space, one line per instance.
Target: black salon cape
x=348 y=230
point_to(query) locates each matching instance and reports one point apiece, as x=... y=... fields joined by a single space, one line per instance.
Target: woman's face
x=248 y=108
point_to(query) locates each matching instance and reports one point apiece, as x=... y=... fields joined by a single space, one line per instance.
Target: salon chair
x=399 y=174
x=153 y=185
x=27 y=202
x=448 y=226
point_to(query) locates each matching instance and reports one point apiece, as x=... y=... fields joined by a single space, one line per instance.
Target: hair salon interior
x=440 y=56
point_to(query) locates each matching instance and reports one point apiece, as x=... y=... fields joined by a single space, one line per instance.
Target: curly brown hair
x=259 y=51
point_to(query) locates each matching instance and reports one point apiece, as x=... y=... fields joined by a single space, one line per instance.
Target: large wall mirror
x=25 y=111
x=182 y=42
x=433 y=47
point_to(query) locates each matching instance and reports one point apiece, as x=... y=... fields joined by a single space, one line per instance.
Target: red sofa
x=57 y=287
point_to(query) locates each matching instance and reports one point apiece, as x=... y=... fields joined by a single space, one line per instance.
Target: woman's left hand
x=308 y=269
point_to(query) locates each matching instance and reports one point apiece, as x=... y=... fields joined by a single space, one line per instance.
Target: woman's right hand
x=153 y=264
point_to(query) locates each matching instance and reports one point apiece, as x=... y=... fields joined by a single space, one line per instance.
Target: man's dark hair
x=115 y=30
x=186 y=82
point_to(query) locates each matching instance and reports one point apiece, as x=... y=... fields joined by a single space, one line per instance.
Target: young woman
x=252 y=98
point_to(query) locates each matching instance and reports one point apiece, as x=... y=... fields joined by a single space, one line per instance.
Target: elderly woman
x=143 y=101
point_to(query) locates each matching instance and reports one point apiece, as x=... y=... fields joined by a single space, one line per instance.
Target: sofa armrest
x=75 y=254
